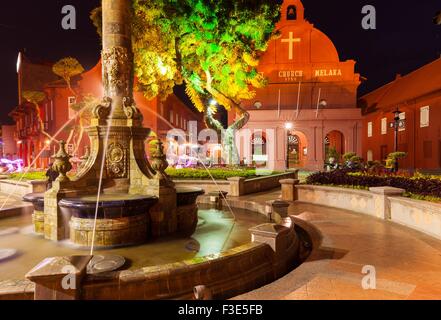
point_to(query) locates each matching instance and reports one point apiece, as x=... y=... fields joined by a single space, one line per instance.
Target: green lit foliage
x=213 y=46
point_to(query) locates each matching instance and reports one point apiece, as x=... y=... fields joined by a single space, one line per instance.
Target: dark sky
x=405 y=39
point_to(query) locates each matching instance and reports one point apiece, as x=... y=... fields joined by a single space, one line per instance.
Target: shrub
x=425 y=187
x=393 y=157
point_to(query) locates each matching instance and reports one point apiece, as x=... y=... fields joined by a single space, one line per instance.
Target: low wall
x=227 y=274
x=21 y=188
x=238 y=186
x=423 y=216
x=355 y=200
x=207 y=185
x=383 y=202
x=265 y=183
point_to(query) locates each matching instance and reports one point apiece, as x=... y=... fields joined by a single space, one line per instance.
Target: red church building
x=309 y=104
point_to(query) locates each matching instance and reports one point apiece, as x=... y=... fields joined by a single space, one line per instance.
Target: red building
x=31 y=144
x=418 y=98
x=310 y=103
x=60 y=119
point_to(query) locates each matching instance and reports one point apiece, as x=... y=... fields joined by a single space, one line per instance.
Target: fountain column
x=117 y=164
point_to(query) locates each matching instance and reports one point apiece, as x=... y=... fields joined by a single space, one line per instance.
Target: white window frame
x=383 y=126
x=424 y=123
x=70 y=101
x=369 y=129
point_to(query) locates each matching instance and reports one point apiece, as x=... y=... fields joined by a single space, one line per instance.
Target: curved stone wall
x=384 y=202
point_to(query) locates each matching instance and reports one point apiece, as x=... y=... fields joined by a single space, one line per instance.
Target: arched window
x=291 y=13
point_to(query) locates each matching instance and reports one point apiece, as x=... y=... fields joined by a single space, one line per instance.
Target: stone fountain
x=137 y=200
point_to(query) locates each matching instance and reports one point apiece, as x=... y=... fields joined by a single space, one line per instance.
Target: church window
x=291 y=13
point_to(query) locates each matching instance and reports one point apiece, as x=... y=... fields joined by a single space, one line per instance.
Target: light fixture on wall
x=258 y=104
x=288 y=125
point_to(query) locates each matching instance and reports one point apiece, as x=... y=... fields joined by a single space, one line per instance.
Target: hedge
x=419 y=186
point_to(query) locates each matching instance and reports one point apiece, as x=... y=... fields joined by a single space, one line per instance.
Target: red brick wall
x=413 y=139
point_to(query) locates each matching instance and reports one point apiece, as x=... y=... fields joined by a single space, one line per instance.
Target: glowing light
x=47 y=142
x=13 y=165
x=213 y=102
x=18 y=62
x=162 y=69
x=288 y=126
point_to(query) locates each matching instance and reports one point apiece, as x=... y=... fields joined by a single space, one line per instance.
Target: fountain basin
x=110 y=206
x=188 y=195
x=187 y=210
x=122 y=219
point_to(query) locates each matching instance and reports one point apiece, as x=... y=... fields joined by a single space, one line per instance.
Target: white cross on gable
x=291 y=40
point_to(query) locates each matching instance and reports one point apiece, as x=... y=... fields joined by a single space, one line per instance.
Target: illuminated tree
x=67 y=68
x=84 y=111
x=35 y=98
x=212 y=46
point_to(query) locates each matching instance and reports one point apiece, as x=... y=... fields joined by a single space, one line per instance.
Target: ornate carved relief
x=117 y=66
x=130 y=110
x=116 y=161
x=102 y=111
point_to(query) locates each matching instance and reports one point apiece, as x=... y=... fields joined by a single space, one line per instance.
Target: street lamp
x=397 y=125
x=288 y=127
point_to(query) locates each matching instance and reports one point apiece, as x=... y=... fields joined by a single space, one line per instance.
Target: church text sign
x=296 y=75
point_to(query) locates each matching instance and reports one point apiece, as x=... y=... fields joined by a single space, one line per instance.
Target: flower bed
x=419 y=187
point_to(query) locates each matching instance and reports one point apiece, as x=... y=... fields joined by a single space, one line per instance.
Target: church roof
x=421 y=82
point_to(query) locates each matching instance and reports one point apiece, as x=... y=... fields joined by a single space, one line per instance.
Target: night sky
x=405 y=39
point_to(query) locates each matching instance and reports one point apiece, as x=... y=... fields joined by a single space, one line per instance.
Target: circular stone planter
x=122 y=219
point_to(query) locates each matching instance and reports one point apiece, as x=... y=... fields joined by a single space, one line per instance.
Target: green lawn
x=37 y=175
x=217 y=174
x=177 y=174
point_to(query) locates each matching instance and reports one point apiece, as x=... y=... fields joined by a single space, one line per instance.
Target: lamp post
x=288 y=127
x=396 y=125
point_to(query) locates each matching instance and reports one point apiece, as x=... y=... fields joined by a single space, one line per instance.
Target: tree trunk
x=227 y=135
